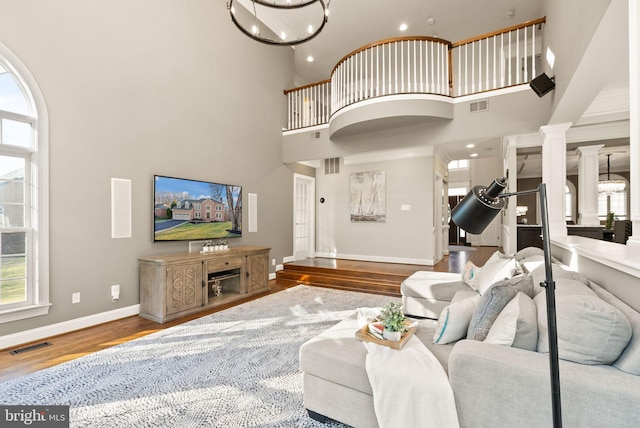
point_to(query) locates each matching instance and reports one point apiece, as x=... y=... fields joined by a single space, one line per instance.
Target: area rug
x=235 y=368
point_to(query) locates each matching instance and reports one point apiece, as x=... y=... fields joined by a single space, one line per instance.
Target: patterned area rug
x=235 y=368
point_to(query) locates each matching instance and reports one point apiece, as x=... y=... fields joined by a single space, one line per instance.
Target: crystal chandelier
x=279 y=22
x=610 y=186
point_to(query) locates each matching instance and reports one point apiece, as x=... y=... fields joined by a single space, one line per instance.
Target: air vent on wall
x=479 y=106
x=332 y=166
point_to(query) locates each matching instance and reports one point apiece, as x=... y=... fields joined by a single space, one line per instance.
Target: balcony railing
x=421 y=65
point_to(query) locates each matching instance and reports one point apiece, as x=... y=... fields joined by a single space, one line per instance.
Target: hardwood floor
x=75 y=344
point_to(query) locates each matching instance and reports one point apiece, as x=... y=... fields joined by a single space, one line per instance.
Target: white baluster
x=533 y=51
x=517 y=64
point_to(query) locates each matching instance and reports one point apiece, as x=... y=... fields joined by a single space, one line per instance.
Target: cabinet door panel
x=184 y=287
x=258 y=272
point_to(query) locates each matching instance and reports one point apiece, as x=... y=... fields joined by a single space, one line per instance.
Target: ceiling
x=355 y=23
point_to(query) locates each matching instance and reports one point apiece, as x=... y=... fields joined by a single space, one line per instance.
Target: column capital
x=586 y=150
x=555 y=131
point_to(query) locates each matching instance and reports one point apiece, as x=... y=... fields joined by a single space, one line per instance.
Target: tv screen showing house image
x=193 y=210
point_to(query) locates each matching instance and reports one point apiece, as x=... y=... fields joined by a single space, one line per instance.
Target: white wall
x=406 y=236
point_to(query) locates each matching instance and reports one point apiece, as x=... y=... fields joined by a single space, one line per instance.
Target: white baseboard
x=272 y=276
x=39 y=333
x=288 y=259
x=382 y=259
x=279 y=267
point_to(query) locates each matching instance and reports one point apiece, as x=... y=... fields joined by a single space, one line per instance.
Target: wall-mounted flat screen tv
x=193 y=210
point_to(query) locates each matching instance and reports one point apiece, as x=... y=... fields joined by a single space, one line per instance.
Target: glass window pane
x=11 y=97
x=13 y=291
x=13 y=268
x=11 y=180
x=17 y=133
x=12 y=191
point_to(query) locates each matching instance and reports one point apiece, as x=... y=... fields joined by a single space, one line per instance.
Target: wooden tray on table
x=363 y=335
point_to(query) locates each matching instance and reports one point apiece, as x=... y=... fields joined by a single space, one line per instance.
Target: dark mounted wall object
x=543 y=84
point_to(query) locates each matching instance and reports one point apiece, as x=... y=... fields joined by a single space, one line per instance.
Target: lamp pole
x=550 y=286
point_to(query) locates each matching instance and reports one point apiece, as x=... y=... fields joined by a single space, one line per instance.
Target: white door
x=303 y=216
x=491 y=235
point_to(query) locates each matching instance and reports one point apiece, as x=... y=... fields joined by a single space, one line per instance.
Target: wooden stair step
x=386 y=283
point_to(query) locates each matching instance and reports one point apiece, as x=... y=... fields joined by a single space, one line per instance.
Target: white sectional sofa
x=496 y=385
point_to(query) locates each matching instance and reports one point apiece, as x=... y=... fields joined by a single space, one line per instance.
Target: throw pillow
x=491 y=304
x=470 y=275
x=629 y=361
x=528 y=252
x=516 y=325
x=539 y=275
x=590 y=330
x=495 y=271
x=453 y=321
x=530 y=263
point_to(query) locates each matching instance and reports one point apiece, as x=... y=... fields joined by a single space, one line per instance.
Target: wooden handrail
x=387 y=41
x=299 y=88
x=498 y=32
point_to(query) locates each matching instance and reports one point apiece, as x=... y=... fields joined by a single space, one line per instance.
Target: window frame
x=36 y=195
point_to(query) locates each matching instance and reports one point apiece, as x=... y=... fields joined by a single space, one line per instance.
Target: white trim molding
x=12 y=340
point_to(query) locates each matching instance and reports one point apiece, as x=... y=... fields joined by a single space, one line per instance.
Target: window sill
x=25 y=312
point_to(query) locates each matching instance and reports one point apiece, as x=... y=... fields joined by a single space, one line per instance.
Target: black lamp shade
x=481 y=205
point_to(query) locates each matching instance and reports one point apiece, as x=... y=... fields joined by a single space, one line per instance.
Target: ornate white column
x=588 y=173
x=554 y=174
x=634 y=119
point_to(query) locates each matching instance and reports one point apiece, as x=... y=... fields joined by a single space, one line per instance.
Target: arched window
x=570 y=202
x=24 y=267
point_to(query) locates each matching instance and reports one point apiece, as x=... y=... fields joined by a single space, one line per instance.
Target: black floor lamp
x=473 y=214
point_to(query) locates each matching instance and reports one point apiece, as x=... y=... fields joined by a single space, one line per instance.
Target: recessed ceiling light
x=431 y=21
x=403 y=27
x=309 y=58
x=470 y=146
x=473 y=155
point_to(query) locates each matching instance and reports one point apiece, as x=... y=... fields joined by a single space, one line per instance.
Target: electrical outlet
x=273 y=262
x=75 y=298
x=115 y=292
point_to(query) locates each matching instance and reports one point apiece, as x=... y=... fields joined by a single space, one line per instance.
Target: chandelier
x=610 y=186
x=279 y=22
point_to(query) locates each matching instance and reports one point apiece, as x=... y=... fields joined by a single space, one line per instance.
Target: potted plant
x=393 y=320
x=609 y=222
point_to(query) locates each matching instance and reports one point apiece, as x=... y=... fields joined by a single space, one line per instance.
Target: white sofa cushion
x=494 y=270
x=629 y=361
x=516 y=325
x=590 y=330
x=453 y=321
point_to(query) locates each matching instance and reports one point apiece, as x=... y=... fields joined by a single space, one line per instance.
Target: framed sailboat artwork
x=368 y=196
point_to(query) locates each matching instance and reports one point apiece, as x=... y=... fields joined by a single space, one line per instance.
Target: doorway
x=457 y=236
